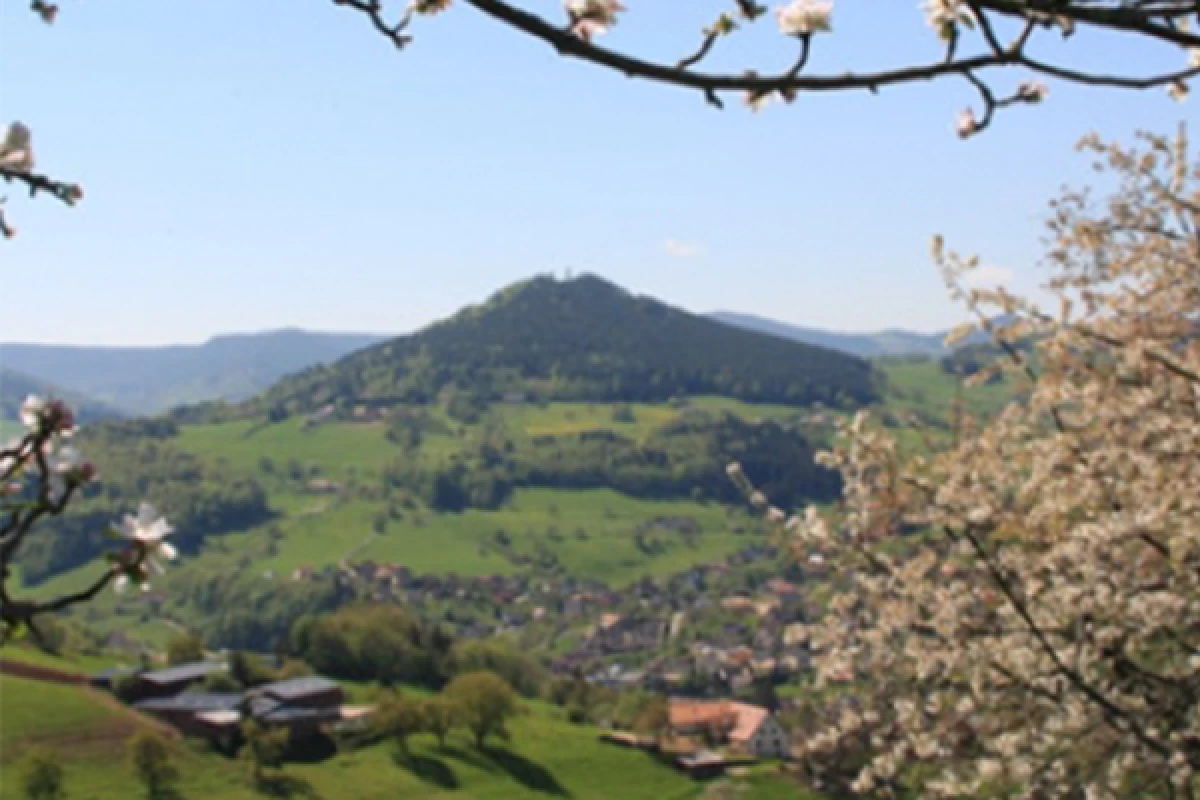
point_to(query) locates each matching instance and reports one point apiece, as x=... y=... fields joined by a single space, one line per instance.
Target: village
x=713 y=630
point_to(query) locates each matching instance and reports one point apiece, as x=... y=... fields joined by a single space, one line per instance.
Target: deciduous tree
x=1039 y=635
x=151 y=762
x=486 y=701
x=184 y=649
x=400 y=717
x=440 y=715
x=265 y=748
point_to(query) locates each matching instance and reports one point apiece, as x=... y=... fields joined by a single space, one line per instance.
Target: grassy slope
x=319 y=529
x=924 y=386
x=546 y=757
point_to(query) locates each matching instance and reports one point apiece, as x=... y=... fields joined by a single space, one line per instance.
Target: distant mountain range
x=16 y=386
x=864 y=345
x=148 y=380
x=620 y=332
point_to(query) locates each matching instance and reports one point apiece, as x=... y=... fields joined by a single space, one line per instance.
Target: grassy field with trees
x=89 y=736
x=408 y=490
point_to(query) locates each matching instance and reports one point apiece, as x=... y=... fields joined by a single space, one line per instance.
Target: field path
x=358 y=548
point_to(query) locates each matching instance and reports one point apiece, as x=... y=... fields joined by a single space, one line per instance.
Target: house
x=185 y=711
x=745 y=728
x=781 y=587
x=758 y=732
x=173 y=680
x=737 y=603
x=766 y=605
x=307 y=692
x=795 y=634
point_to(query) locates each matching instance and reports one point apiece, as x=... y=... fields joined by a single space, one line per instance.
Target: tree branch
x=1120 y=18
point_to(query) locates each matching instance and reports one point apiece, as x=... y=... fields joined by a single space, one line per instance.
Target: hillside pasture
x=545 y=757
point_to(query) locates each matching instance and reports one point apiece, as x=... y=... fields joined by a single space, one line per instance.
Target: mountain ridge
x=581 y=339
x=886 y=342
x=153 y=379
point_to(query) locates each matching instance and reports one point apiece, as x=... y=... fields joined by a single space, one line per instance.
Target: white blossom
x=31 y=411
x=800 y=17
x=1033 y=91
x=148 y=530
x=592 y=17
x=122 y=581
x=944 y=16
x=16 y=150
x=1069 y=517
x=966 y=124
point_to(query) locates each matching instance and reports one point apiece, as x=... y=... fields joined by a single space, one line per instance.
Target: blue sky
x=252 y=165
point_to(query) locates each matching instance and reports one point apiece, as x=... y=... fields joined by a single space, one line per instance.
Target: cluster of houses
x=304 y=705
x=642 y=636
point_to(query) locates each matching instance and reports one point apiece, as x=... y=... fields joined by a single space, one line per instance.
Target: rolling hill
x=582 y=340
x=149 y=380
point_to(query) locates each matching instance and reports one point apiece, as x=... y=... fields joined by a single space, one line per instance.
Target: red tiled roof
x=749 y=718
x=696 y=713
x=744 y=718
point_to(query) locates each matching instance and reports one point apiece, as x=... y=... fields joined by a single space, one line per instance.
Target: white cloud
x=989 y=275
x=678 y=249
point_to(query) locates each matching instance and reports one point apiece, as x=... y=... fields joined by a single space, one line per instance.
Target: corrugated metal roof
x=299 y=687
x=183 y=672
x=263 y=705
x=191 y=701
x=284 y=715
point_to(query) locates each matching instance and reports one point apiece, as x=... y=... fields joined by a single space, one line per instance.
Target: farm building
x=173 y=680
x=750 y=729
x=302 y=705
x=185 y=711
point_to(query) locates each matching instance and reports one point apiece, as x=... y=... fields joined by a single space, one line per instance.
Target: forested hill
x=582 y=339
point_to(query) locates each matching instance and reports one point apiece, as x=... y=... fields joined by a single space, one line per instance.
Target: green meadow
x=545 y=757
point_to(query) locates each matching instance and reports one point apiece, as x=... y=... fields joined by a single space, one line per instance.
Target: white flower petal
x=31 y=410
